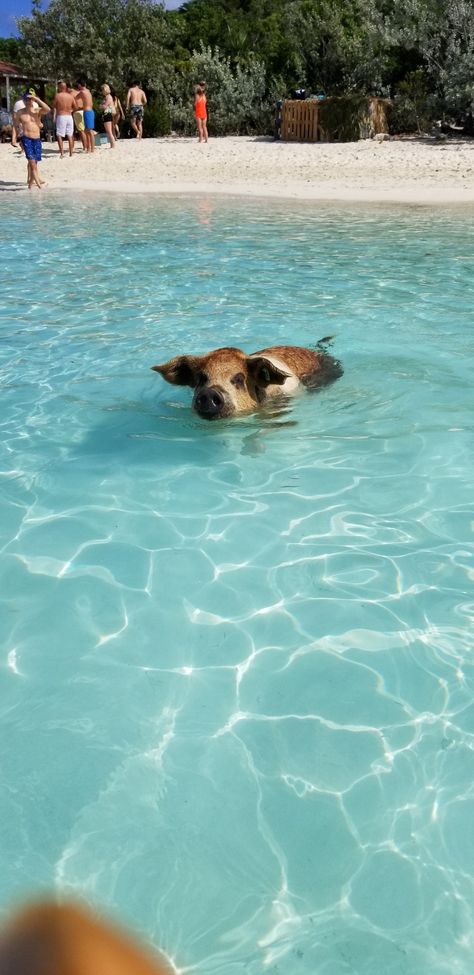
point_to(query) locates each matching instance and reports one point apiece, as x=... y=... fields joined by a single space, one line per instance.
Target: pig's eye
x=238 y=379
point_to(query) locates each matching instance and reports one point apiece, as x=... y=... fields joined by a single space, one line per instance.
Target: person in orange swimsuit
x=200 y=111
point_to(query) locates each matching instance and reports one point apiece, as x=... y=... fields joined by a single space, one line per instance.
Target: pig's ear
x=265 y=372
x=181 y=371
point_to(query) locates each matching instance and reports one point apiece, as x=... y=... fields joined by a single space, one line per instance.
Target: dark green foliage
x=11 y=49
x=414 y=105
x=420 y=53
x=343 y=119
x=157 y=119
x=114 y=41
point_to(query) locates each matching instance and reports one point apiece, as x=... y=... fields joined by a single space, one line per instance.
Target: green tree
x=104 y=40
x=11 y=49
x=252 y=51
x=439 y=35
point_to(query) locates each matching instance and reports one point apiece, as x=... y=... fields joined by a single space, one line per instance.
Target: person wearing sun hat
x=17 y=129
x=29 y=118
x=31 y=93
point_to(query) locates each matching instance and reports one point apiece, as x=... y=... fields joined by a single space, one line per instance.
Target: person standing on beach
x=78 y=116
x=6 y=122
x=63 y=106
x=119 y=114
x=84 y=101
x=17 y=129
x=108 y=109
x=29 y=118
x=200 y=111
x=136 y=101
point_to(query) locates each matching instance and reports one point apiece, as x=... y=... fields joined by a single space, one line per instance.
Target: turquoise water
x=236 y=668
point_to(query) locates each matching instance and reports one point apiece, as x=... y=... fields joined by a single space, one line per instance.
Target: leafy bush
x=157 y=119
x=235 y=95
x=418 y=52
x=413 y=105
x=346 y=119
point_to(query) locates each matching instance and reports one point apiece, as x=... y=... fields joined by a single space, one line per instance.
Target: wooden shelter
x=11 y=74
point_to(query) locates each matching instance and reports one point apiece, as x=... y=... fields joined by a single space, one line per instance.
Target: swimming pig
x=227 y=382
x=65 y=939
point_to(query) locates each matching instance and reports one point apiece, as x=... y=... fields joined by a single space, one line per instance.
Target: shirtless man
x=78 y=116
x=29 y=118
x=136 y=101
x=63 y=106
x=84 y=102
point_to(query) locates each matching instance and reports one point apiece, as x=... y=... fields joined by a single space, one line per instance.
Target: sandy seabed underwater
x=237 y=677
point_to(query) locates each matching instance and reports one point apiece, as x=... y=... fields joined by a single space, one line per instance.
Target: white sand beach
x=417 y=171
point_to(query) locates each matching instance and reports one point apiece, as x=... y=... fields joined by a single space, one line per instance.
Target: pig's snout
x=209 y=403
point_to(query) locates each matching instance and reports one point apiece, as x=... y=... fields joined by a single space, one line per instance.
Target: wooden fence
x=300 y=121
x=344 y=118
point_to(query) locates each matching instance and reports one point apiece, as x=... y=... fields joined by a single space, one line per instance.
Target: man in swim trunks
x=63 y=106
x=136 y=101
x=29 y=118
x=84 y=102
x=78 y=116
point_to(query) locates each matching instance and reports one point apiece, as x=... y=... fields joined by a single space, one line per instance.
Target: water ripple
x=236 y=666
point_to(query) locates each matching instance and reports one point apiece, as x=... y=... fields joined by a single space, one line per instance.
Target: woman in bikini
x=119 y=113
x=108 y=108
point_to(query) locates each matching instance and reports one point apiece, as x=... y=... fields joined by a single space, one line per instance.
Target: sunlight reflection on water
x=237 y=676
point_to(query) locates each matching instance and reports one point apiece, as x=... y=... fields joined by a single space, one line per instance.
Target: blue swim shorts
x=89 y=118
x=32 y=148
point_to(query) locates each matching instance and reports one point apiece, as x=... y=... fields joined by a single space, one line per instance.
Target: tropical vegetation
x=417 y=53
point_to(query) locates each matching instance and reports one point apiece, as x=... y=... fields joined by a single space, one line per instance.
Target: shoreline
x=422 y=172
x=449 y=196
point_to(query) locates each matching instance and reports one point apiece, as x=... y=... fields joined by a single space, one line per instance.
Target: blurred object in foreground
x=51 y=939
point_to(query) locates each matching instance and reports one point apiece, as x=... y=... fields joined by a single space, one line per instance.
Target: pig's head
x=225 y=382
